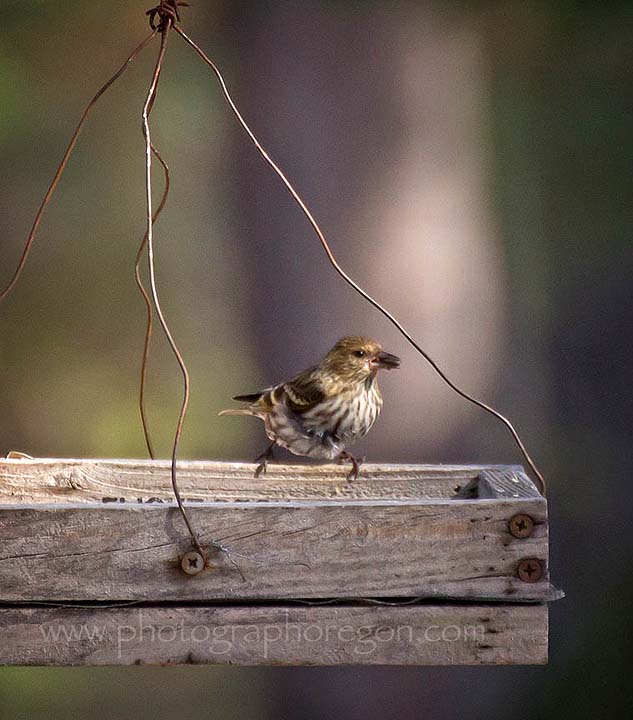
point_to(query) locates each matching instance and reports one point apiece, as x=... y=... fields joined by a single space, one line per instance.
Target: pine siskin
x=326 y=407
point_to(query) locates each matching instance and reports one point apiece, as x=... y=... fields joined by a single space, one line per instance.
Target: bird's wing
x=303 y=392
x=251 y=397
x=260 y=401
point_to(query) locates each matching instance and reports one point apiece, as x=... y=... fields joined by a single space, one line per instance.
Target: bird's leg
x=356 y=463
x=263 y=459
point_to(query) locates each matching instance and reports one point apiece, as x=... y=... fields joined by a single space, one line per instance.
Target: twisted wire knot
x=165 y=14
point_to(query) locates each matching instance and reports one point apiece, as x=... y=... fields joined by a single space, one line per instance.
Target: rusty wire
x=165 y=14
x=148 y=308
x=64 y=161
x=161 y=18
x=147 y=106
x=166 y=24
x=346 y=277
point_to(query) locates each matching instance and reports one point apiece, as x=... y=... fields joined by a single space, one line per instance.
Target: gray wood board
x=108 y=530
x=276 y=635
x=60 y=480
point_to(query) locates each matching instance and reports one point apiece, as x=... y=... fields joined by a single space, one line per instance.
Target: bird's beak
x=385 y=360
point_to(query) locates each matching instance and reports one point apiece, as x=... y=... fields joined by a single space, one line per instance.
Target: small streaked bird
x=326 y=407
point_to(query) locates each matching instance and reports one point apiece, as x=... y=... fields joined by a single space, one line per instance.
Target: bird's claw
x=263 y=460
x=356 y=463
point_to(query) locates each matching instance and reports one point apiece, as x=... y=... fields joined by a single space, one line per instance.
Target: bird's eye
x=359 y=353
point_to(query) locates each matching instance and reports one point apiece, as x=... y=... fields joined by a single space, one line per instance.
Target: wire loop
x=165 y=14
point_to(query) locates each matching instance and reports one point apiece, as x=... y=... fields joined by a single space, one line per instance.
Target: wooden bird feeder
x=408 y=565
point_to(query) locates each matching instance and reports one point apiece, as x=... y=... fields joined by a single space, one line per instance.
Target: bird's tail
x=237 y=411
x=251 y=409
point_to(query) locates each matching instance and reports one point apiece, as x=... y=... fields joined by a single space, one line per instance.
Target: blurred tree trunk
x=378 y=118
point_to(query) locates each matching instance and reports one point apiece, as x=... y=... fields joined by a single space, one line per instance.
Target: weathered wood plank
x=108 y=530
x=276 y=635
x=322 y=549
x=54 y=480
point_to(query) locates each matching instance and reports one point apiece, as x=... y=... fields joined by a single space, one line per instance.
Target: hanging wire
x=165 y=26
x=49 y=193
x=149 y=101
x=346 y=277
x=64 y=161
x=148 y=308
x=162 y=18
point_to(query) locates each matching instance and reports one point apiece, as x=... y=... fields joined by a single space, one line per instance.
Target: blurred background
x=470 y=163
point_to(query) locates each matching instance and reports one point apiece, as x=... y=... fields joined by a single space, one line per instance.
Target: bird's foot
x=356 y=463
x=263 y=459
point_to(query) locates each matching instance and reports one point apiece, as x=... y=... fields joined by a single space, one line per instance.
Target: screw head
x=521 y=525
x=192 y=563
x=530 y=570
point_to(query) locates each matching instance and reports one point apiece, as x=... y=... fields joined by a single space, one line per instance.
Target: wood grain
x=68 y=480
x=276 y=635
x=107 y=530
